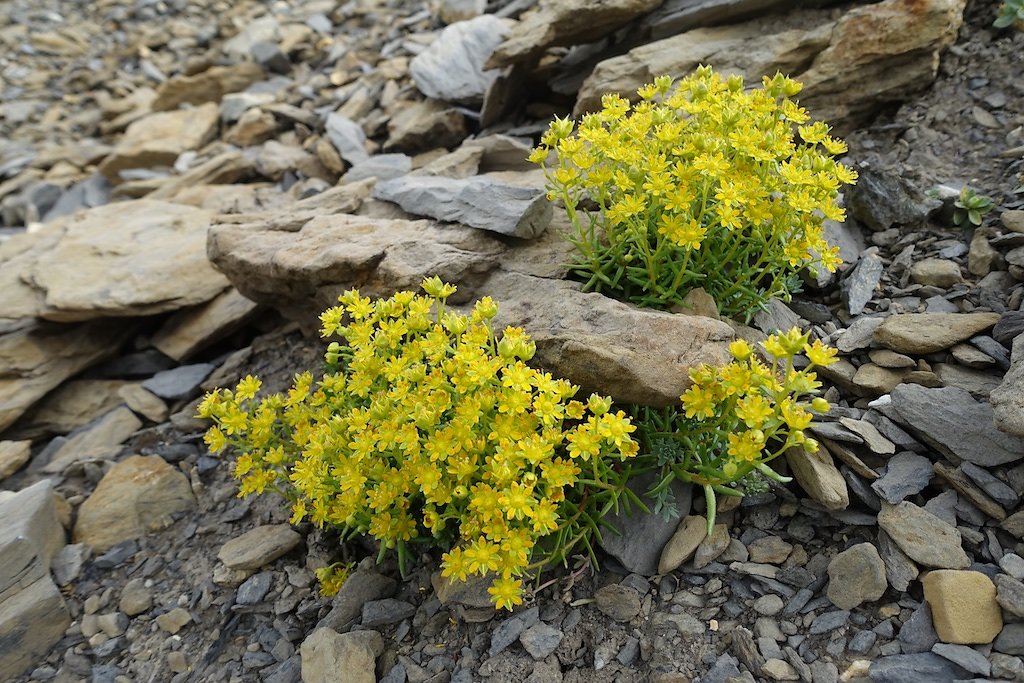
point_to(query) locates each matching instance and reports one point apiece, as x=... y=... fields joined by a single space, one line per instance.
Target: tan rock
x=189 y=331
x=131 y=259
x=769 y=549
x=223 y=168
x=158 y=139
x=419 y=126
x=143 y=402
x=883 y=52
x=99 y=439
x=964 y=606
x=878 y=380
x=925 y=538
x=136 y=496
x=819 y=477
x=920 y=333
x=1008 y=398
x=254 y=127
x=70 y=406
x=13 y=454
x=207 y=86
x=690 y=533
x=936 y=272
x=326 y=652
x=175 y=620
x=239 y=198
x=557 y=22
x=258 y=546
x=38 y=357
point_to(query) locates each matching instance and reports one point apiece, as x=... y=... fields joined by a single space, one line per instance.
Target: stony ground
x=133 y=131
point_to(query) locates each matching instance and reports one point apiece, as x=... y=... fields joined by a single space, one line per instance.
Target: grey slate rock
x=829 y=621
x=540 y=640
x=508 y=631
x=386 y=611
x=967 y=658
x=724 y=668
x=642 y=536
x=269 y=56
x=254 y=589
x=900 y=570
x=907 y=474
x=954 y=424
x=859 y=286
x=1009 y=326
x=379 y=166
x=1011 y=639
x=348 y=138
x=452 y=67
x=483 y=202
x=884 y=198
x=915 y=668
x=862 y=642
x=918 y=633
x=180 y=383
x=995 y=488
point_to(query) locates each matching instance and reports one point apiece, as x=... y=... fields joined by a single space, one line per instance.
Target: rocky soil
x=185 y=184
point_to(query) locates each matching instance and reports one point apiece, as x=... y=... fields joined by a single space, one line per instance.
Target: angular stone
x=920 y=333
x=872 y=437
x=386 y=611
x=159 y=139
x=187 y=332
x=769 y=549
x=380 y=166
x=712 y=547
x=557 y=22
x=883 y=198
x=70 y=406
x=540 y=640
x=425 y=125
x=878 y=53
x=859 y=286
x=175 y=620
x=13 y=454
x=1008 y=398
x=917 y=633
x=878 y=380
x=1010 y=594
x=207 y=86
x=906 y=474
x=955 y=425
x=936 y=272
x=258 y=547
x=452 y=67
x=858 y=335
x=965 y=657
x=484 y=202
x=178 y=383
x=33 y=615
x=620 y=603
x=326 y=652
x=101 y=438
x=964 y=606
x=682 y=546
x=900 y=570
x=925 y=538
x=977 y=382
x=143 y=403
x=818 y=477
x=38 y=357
x=856 y=576
x=924 y=666
x=136 y=496
x=131 y=259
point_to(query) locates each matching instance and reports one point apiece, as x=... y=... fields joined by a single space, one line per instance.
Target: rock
x=878 y=380
x=258 y=547
x=101 y=438
x=452 y=67
x=936 y=272
x=483 y=202
x=890 y=359
x=955 y=425
x=982 y=258
x=964 y=607
x=819 y=477
x=13 y=454
x=180 y=383
x=965 y=657
x=379 y=166
x=270 y=57
x=859 y=286
x=712 y=546
x=856 y=576
x=253 y=127
x=905 y=475
x=67 y=563
x=642 y=536
x=971 y=356
x=873 y=438
x=509 y=630
x=72 y=405
x=425 y=125
x=993 y=487
x=159 y=139
x=1010 y=594
x=138 y=495
x=557 y=22
x=978 y=383
x=925 y=538
x=682 y=546
x=362 y=586
x=131 y=259
x=900 y=570
x=1011 y=639
x=1009 y=327
x=618 y=602
x=540 y=640
x=37 y=357
x=174 y=620
x=386 y=611
x=847 y=69
x=33 y=615
x=348 y=138
x=1005 y=667
x=917 y=633
x=1008 y=398
x=207 y=86
x=779 y=670
x=143 y=403
x=858 y=335
x=1013 y=565
x=471 y=593
x=254 y=589
x=920 y=333
x=136 y=598
x=769 y=549
x=924 y=666
x=883 y=198
x=768 y=605
x=326 y=652
x=221 y=169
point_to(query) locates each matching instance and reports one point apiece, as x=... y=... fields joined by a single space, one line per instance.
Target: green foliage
x=698 y=185
x=429 y=428
x=734 y=420
x=971 y=207
x=1011 y=13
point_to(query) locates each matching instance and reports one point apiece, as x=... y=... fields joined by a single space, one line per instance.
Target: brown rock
x=223 y=168
x=425 y=125
x=258 y=547
x=136 y=496
x=187 y=332
x=255 y=126
x=101 y=438
x=619 y=602
x=1008 y=398
x=920 y=333
x=158 y=139
x=143 y=402
x=692 y=530
x=13 y=454
x=70 y=406
x=937 y=272
x=819 y=477
x=964 y=606
x=208 y=86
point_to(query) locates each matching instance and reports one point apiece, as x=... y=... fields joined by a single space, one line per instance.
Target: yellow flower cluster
x=699 y=185
x=427 y=427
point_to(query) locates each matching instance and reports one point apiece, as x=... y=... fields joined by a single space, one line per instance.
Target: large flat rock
x=1008 y=398
x=874 y=54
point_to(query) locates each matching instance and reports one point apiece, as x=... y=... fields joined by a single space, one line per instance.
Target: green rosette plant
x=429 y=428
x=734 y=420
x=700 y=184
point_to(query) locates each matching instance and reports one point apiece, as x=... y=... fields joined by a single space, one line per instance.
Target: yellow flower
x=698 y=402
x=746 y=446
x=820 y=354
x=214 y=438
x=740 y=350
x=507 y=592
x=753 y=409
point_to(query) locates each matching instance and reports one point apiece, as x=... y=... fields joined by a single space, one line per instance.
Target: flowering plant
x=428 y=427
x=698 y=185
x=735 y=419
